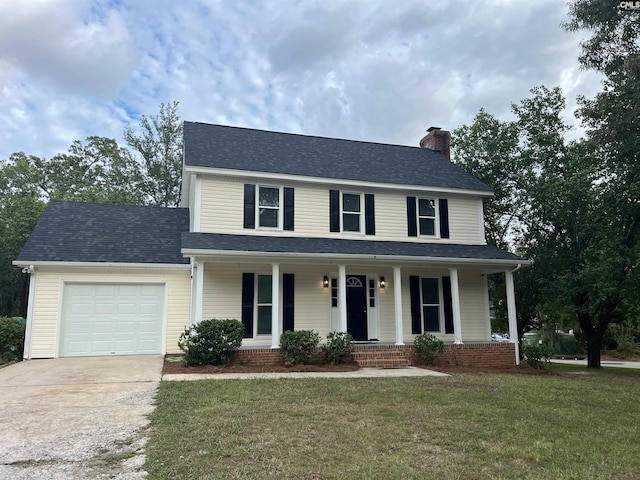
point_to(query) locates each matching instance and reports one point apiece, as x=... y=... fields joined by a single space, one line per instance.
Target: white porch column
x=275 y=305
x=511 y=313
x=397 y=298
x=342 y=296
x=197 y=283
x=455 y=300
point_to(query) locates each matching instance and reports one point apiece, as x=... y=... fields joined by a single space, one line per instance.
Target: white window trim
x=256 y=304
x=280 y=208
x=361 y=231
x=439 y=305
x=436 y=218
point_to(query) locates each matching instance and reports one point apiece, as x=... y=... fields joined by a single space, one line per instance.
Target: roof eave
x=193 y=252
x=49 y=263
x=333 y=181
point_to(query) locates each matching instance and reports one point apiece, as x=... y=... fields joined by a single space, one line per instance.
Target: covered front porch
x=377 y=303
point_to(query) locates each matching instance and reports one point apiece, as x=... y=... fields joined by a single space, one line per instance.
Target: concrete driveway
x=76 y=417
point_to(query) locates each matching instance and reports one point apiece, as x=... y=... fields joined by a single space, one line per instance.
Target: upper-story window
x=352 y=212
x=267 y=206
x=268 y=211
x=427 y=217
x=427 y=214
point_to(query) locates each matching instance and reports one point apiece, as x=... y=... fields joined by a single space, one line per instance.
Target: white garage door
x=111 y=319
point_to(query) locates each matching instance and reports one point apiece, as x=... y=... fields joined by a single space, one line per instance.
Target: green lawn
x=574 y=426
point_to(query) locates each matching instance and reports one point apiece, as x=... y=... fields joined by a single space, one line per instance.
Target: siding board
x=222 y=211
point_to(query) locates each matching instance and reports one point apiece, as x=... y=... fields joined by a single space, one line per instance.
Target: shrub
x=339 y=348
x=211 y=342
x=627 y=348
x=11 y=339
x=428 y=348
x=299 y=346
x=536 y=355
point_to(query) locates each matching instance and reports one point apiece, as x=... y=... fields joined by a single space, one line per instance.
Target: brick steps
x=374 y=358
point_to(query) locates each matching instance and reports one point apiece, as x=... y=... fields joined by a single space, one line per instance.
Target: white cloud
x=371 y=70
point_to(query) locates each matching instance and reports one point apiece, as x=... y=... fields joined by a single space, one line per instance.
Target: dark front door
x=357 y=307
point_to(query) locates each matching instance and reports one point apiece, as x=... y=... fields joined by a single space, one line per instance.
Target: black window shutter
x=249 y=205
x=288 y=209
x=416 y=307
x=288 y=294
x=444 y=217
x=247 y=303
x=369 y=214
x=334 y=210
x=411 y=217
x=448 y=305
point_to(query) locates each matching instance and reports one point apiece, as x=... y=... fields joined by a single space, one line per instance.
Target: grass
x=570 y=426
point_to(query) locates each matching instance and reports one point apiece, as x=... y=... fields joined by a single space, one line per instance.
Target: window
x=372 y=292
x=427 y=217
x=351 y=212
x=430 y=304
x=269 y=207
x=334 y=292
x=257 y=303
x=264 y=304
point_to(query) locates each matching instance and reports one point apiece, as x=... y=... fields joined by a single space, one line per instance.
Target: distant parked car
x=498 y=337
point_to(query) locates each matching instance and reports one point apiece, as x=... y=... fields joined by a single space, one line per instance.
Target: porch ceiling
x=337 y=249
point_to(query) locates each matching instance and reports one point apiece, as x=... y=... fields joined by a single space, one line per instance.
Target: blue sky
x=380 y=71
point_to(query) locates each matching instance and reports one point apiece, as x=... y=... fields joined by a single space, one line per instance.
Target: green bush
x=627 y=348
x=211 y=342
x=339 y=348
x=11 y=339
x=536 y=355
x=428 y=348
x=298 y=347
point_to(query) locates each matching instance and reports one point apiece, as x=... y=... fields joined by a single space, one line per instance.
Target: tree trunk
x=593 y=352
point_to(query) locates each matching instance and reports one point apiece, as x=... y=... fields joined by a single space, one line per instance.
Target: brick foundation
x=489 y=354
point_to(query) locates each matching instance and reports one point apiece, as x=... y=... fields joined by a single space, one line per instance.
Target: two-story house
x=282 y=232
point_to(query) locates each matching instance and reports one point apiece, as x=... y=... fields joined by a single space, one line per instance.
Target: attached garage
x=106 y=279
x=112 y=319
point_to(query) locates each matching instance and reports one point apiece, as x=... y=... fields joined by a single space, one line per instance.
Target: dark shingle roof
x=102 y=232
x=220 y=146
x=302 y=245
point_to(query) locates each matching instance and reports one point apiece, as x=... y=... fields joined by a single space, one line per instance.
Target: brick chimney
x=438 y=140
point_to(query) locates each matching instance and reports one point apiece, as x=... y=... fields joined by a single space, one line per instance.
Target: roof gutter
x=31 y=264
x=350 y=256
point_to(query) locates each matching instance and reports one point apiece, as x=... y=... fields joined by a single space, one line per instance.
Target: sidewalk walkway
x=362 y=373
x=604 y=363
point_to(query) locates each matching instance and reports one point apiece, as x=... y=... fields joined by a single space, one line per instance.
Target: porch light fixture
x=383 y=282
x=325 y=282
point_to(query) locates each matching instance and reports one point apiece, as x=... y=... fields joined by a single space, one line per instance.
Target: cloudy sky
x=371 y=70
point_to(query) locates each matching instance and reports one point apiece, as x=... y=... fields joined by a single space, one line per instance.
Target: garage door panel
x=109 y=319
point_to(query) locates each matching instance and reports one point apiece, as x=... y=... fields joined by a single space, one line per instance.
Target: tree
x=576 y=205
x=160 y=146
x=614 y=37
x=97 y=170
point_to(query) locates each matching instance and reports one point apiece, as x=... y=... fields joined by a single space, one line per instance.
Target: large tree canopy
x=96 y=170
x=572 y=207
